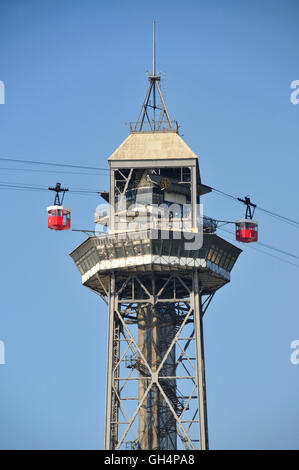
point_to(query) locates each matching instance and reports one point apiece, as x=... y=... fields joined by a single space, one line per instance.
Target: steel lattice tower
x=157 y=268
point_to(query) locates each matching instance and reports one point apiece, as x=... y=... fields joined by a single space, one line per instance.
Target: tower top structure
x=153 y=116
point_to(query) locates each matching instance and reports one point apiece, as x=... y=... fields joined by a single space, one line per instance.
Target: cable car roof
x=247 y=221
x=65 y=209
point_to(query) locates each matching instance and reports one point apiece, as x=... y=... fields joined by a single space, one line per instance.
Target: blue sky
x=74 y=74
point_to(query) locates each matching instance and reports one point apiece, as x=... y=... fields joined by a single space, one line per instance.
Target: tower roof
x=153 y=146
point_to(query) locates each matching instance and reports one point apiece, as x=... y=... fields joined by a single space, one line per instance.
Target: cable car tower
x=157 y=268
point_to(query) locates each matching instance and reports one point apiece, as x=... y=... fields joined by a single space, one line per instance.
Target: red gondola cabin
x=246 y=231
x=59 y=218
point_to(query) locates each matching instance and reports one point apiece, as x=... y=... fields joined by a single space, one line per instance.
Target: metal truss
x=155 y=397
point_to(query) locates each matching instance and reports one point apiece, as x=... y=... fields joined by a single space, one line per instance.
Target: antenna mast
x=145 y=121
x=154 y=52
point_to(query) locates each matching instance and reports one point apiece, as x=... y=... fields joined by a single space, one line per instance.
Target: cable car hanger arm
x=58 y=189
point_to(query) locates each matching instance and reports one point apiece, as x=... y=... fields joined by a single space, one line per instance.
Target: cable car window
x=214 y=255
x=221 y=258
x=217 y=259
x=54 y=212
x=59 y=212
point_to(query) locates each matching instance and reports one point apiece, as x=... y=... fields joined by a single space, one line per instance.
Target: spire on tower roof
x=153 y=116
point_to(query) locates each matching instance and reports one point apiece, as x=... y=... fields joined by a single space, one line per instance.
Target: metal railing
x=159 y=126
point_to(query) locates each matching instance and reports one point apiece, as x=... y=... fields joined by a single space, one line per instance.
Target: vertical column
x=109 y=366
x=149 y=422
x=194 y=198
x=112 y=201
x=200 y=364
x=157 y=425
x=144 y=425
x=166 y=331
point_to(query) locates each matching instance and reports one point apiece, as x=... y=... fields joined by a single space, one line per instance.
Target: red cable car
x=59 y=217
x=247 y=229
